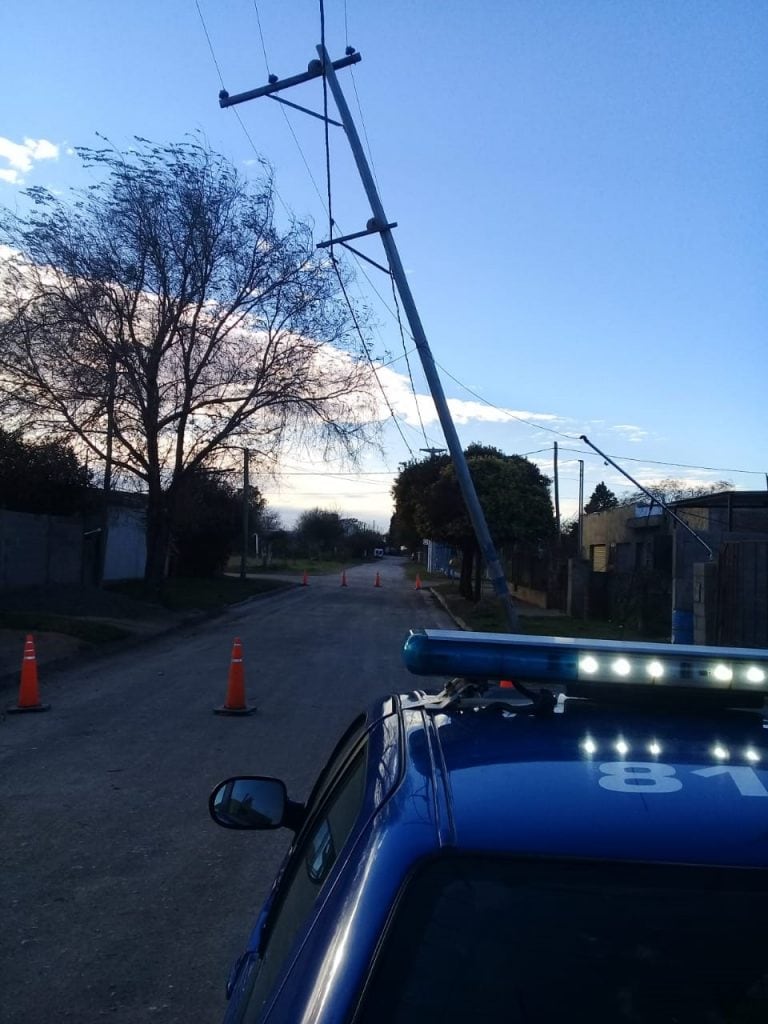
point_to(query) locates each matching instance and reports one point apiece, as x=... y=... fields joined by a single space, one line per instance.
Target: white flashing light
x=622 y=747
x=654 y=748
x=752 y=755
x=589 y=746
x=720 y=753
x=588 y=662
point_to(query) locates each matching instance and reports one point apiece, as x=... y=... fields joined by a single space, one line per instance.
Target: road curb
x=444 y=605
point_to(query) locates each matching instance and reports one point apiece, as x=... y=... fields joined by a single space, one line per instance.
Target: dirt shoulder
x=71 y=621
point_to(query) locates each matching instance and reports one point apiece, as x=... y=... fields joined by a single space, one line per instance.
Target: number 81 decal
x=651 y=777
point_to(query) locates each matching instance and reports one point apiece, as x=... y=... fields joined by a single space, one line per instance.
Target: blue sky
x=580 y=188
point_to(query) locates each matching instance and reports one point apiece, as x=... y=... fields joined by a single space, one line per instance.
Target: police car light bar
x=562 y=660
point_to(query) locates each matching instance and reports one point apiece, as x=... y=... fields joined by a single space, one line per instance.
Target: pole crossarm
x=304 y=110
x=372 y=229
x=314 y=70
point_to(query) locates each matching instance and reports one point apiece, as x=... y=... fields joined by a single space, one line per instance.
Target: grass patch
x=197 y=594
x=414 y=569
x=82 y=629
x=487 y=616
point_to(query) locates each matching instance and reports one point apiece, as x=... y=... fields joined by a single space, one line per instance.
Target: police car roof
x=595 y=782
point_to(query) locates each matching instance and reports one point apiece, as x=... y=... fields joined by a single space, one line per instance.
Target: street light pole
x=246 y=495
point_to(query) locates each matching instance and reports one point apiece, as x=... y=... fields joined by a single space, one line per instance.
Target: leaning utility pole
x=380 y=225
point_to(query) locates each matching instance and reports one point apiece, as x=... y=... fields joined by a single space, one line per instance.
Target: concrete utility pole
x=581 y=505
x=379 y=224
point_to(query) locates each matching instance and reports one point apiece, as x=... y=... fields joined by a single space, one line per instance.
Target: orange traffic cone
x=304 y=580
x=29 y=694
x=235 y=702
x=343 y=577
x=418 y=582
x=378 y=581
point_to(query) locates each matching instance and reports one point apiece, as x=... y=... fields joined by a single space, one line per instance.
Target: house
x=720 y=576
x=625 y=566
x=702 y=582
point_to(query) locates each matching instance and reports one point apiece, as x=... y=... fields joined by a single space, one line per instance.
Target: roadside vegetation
x=487 y=616
x=190 y=594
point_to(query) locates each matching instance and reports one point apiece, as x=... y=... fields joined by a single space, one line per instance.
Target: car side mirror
x=249 y=802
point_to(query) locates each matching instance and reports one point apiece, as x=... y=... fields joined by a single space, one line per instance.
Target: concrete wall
x=39 y=549
x=704 y=602
x=36 y=549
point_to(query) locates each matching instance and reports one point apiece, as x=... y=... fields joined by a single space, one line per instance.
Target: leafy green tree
x=319 y=532
x=206 y=525
x=602 y=498
x=163 y=313
x=360 y=541
x=41 y=476
x=514 y=494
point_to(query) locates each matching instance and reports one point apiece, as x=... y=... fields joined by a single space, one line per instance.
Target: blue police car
x=568 y=831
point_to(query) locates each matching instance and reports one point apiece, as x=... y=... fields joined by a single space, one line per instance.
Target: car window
x=509 y=942
x=340 y=753
x=306 y=872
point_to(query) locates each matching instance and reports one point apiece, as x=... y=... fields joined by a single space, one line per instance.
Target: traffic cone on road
x=304 y=580
x=418 y=582
x=235 y=700
x=29 y=694
x=378 y=581
x=343 y=577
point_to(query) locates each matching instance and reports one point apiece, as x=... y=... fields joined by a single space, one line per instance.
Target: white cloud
x=22 y=156
x=630 y=432
x=401 y=397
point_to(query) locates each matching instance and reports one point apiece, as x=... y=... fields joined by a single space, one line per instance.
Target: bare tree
x=163 y=313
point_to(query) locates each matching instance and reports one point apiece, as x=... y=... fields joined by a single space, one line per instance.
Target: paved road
x=119 y=899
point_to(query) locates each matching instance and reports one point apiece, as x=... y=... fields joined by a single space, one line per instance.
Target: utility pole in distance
x=581 y=505
x=379 y=224
x=246 y=496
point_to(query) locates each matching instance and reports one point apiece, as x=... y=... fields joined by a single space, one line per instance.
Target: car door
x=332 y=811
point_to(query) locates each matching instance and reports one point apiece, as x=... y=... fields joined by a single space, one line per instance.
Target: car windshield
x=474 y=939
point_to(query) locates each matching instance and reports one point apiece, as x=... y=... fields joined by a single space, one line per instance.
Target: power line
x=581 y=451
x=312 y=178
x=672 y=465
x=210 y=44
x=261 y=37
x=407 y=360
x=364 y=344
